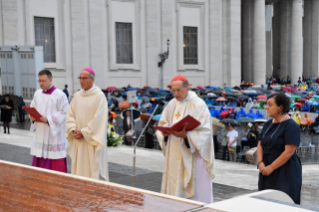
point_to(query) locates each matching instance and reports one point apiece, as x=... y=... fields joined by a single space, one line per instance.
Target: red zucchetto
x=179 y=78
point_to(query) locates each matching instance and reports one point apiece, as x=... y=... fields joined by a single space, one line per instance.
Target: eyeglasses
x=83 y=78
x=42 y=81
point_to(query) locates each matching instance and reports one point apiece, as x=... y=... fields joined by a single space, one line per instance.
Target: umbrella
x=231 y=98
x=261 y=97
x=151 y=90
x=251 y=94
x=136 y=114
x=287 y=89
x=131 y=89
x=315 y=97
x=262 y=100
x=301 y=100
x=224 y=114
x=245 y=120
x=250 y=91
x=146 y=87
x=200 y=87
x=211 y=94
x=15 y=99
x=214 y=87
x=298 y=104
x=157 y=117
x=243 y=97
x=111 y=88
x=229 y=121
x=295 y=97
x=260 y=120
x=314 y=104
x=217 y=123
x=145 y=98
x=221 y=99
x=119 y=90
x=231 y=93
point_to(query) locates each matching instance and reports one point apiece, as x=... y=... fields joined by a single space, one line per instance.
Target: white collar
x=90 y=88
x=185 y=100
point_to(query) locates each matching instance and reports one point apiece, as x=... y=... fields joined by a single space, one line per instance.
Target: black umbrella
x=229 y=121
x=232 y=98
x=15 y=99
x=136 y=113
x=119 y=90
x=218 y=91
x=243 y=97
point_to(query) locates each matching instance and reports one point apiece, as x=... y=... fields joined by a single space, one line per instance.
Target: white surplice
x=50 y=139
x=188 y=172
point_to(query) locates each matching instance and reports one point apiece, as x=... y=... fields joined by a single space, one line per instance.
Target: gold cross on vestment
x=177 y=115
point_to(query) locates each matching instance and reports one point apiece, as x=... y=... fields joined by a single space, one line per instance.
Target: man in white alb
x=189 y=156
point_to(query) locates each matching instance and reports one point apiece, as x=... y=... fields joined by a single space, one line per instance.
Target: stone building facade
x=212 y=42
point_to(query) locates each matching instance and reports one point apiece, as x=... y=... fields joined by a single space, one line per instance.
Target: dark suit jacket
x=125 y=127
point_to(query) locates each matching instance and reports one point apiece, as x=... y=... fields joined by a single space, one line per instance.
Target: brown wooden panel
x=27 y=189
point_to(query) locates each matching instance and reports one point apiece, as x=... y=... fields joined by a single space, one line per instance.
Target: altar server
x=189 y=156
x=86 y=123
x=49 y=144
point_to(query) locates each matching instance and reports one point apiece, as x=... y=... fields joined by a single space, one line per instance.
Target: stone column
x=276 y=39
x=307 y=44
x=269 y=37
x=235 y=42
x=259 y=43
x=296 y=40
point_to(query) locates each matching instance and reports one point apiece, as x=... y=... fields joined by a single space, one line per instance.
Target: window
x=124 y=43
x=44 y=36
x=190 y=45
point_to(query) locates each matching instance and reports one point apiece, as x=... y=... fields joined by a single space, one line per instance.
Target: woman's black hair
x=281 y=100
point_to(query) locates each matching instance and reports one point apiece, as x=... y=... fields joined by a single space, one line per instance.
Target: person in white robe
x=86 y=131
x=49 y=144
x=189 y=156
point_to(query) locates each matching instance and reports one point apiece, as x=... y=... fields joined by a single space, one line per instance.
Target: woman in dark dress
x=6 y=112
x=278 y=163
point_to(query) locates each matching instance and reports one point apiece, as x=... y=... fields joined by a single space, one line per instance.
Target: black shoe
x=4 y=132
x=8 y=132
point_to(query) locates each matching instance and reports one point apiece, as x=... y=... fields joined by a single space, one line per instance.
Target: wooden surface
x=29 y=189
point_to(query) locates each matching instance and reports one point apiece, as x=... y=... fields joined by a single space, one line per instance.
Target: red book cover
x=33 y=112
x=191 y=122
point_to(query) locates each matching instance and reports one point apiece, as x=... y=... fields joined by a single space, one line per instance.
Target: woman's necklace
x=276 y=128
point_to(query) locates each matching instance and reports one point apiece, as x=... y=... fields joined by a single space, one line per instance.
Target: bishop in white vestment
x=86 y=131
x=189 y=156
x=49 y=144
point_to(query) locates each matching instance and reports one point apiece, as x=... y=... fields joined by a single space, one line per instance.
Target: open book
x=33 y=112
x=191 y=122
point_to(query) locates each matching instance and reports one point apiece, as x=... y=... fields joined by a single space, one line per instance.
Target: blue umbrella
x=163 y=93
x=131 y=89
x=151 y=90
x=314 y=104
x=214 y=87
x=251 y=94
x=157 y=117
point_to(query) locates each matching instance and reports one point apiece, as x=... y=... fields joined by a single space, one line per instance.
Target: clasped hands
x=77 y=134
x=180 y=134
x=265 y=170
